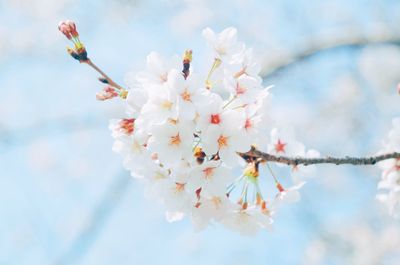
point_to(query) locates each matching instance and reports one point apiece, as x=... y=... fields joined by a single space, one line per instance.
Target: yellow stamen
x=216 y=201
x=216 y=64
x=222 y=141
x=186 y=96
x=123 y=94
x=180 y=187
x=188 y=56
x=167 y=104
x=175 y=140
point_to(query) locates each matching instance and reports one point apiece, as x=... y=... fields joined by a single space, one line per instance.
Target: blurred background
x=64 y=196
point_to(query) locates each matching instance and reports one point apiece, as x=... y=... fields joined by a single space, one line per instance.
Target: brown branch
x=106 y=77
x=313 y=47
x=294 y=161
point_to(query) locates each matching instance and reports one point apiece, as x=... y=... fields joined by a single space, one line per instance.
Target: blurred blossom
x=357 y=244
x=381 y=67
x=41 y=155
x=193 y=15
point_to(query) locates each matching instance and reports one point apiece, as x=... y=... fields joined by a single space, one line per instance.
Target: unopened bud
x=198 y=192
x=103 y=80
x=127 y=125
x=68 y=28
x=73 y=54
x=108 y=92
x=199 y=155
x=187 y=59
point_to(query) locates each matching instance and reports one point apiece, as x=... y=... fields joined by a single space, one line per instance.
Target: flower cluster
x=390 y=180
x=187 y=135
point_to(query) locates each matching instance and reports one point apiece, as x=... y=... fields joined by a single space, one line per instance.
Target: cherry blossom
x=184 y=138
x=171 y=141
x=190 y=137
x=289 y=194
x=390 y=180
x=211 y=177
x=157 y=69
x=186 y=134
x=224 y=44
x=247 y=222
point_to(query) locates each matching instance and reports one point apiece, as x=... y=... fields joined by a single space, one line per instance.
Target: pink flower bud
x=108 y=92
x=127 y=125
x=68 y=28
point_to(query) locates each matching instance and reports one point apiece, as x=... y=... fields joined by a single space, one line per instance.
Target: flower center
x=217 y=202
x=240 y=90
x=180 y=187
x=222 y=141
x=280 y=146
x=167 y=105
x=127 y=125
x=186 y=96
x=164 y=77
x=208 y=172
x=175 y=140
x=248 y=124
x=137 y=147
x=215 y=119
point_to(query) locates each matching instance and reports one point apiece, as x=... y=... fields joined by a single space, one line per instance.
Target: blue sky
x=64 y=196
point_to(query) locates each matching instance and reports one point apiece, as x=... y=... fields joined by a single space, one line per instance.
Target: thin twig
x=109 y=80
x=318 y=46
x=294 y=161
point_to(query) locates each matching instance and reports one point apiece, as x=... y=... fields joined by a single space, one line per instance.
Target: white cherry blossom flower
x=283 y=143
x=390 y=181
x=172 y=141
x=224 y=44
x=244 y=63
x=247 y=222
x=189 y=93
x=160 y=107
x=176 y=199
x=208 y=209
x=245 y=88
x=214 y=114
x=211 y=177
x=157 y=69
x=135 y=154
x=288 y=195
x=135 y=100
x=184 y=132
x=392 y=201
x=226 y=142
